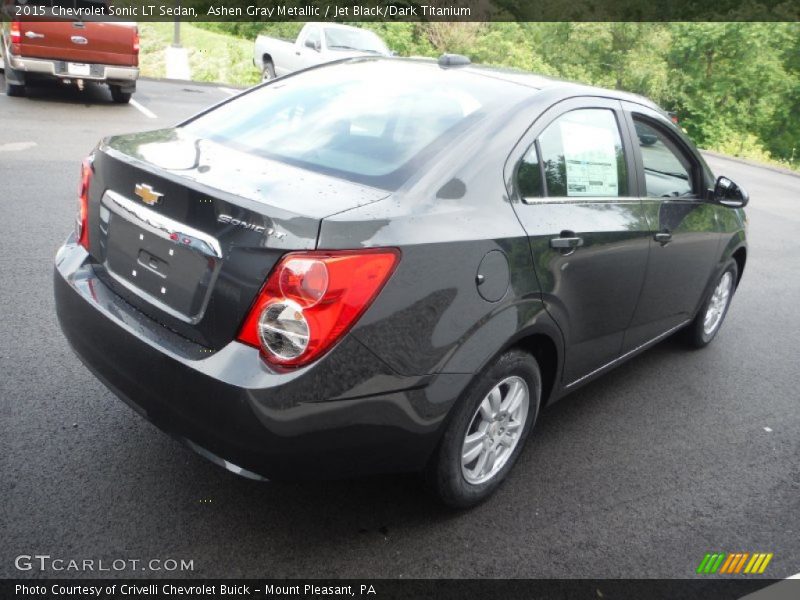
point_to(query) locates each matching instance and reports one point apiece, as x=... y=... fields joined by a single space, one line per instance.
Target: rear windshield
x=374 y=122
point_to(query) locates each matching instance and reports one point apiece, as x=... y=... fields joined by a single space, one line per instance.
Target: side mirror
x=313 y=45
x=727 y=193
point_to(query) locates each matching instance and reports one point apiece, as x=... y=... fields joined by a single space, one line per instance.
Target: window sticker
x=590 y=153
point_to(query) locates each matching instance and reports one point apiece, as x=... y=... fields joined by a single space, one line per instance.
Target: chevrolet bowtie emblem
x=148 y=195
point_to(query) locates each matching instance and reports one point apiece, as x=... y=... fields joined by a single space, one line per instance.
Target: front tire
x=708 y=321
x=268 y=72
x=487 y=432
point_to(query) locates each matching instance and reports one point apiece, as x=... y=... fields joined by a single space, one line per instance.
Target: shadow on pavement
x=56 y=91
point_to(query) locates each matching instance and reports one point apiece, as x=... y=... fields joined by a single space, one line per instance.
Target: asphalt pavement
x=675 y=454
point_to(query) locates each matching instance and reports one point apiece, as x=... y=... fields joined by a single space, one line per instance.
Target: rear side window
x=581 y=155
x=667 y=171
x=529 y=176
x=374 y=122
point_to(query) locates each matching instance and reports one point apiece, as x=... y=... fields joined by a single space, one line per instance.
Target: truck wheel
x=269 y=71
x=14 y=89
x=487 y=431
x=118 y=96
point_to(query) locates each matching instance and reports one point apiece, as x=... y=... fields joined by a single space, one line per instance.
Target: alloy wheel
x=718 y=304
x=495 y=430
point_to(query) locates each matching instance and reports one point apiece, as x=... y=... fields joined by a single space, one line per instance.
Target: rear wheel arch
x=543 y=348
x=542 y=342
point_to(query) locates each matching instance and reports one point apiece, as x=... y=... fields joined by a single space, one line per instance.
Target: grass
x=213 y=57
x=755 y=153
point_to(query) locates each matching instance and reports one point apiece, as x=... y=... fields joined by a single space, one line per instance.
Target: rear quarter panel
x=431 y=317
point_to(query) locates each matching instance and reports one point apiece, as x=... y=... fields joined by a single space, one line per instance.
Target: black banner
x=488 y=589
x=406 y=10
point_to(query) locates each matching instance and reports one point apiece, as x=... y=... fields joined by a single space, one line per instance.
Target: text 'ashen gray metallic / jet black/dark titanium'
x=388 y=265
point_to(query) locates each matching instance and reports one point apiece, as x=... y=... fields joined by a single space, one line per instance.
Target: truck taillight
x=311 y=299
x=136 y=41
x=15 y=32
x=82 y=218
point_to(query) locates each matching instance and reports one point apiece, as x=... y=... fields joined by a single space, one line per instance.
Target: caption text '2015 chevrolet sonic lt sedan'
x=388 y=265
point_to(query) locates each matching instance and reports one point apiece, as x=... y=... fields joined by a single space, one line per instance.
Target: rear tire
x=483 y=425
x=708 y=321
x=14 y=89
x=118 y=96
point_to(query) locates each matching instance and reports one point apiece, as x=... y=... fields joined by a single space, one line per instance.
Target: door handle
x=567 y=241
x=297 y=53
x=663 y=237
x=32 y=35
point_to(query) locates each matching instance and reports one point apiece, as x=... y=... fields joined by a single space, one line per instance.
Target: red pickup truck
x=75 y=47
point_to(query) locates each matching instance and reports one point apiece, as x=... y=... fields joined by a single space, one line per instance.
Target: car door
x=574 y=190
x=684 y=247
x=305 y=55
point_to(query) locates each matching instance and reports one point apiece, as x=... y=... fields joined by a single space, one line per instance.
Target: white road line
x=16 y=146
x=795 y=576
x=144 y=110
x=228 y=91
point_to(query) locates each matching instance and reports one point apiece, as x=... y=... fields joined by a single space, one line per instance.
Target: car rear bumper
x=59 y=69
x=347 y=414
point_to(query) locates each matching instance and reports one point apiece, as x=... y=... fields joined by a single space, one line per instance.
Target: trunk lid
x=187 y=230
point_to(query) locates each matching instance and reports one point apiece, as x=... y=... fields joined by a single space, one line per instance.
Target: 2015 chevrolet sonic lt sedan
x=388 y=265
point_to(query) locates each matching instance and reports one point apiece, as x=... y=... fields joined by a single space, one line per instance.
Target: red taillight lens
x=136 y=41
x=82 y=218
x=304 y=280
x=15 y=32
x=311 y=299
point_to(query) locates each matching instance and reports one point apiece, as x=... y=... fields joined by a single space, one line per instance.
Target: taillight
x=136 y=40
x=82 y=218
x=15 y=32
x=311 y=299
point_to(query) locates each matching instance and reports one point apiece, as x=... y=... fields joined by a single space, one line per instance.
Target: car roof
x=544 y=82
x=536 y=82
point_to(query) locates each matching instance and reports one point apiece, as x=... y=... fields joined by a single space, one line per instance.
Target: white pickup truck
x=315 y=44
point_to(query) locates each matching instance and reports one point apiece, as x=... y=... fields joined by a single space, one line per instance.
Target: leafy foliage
x=735 y=86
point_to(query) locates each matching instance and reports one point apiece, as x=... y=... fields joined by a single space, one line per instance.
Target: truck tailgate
x=109 y=43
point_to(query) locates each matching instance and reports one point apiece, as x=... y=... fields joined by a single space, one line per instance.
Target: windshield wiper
x=343 y=47
x=683 y=176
